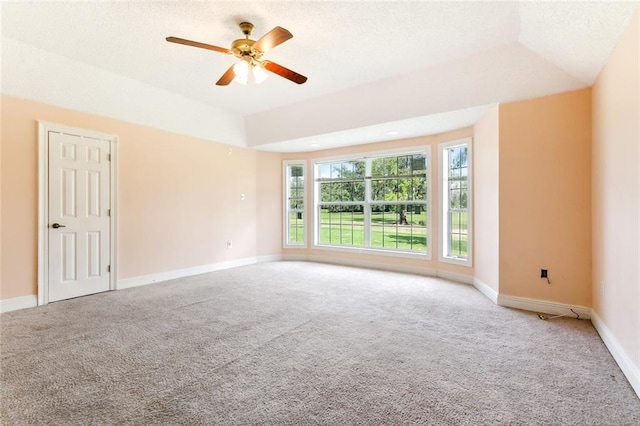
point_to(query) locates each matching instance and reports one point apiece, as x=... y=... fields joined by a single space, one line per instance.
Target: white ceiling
x=402 y=52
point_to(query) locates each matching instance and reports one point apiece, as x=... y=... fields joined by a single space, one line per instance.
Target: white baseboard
x=23 y=302
x=363 y=264
x=631 y=371
x=454 y=276
x=269 y=258
x=16 y=303
x=296 y=257
x=485 y=289
x=380 y=265
x=543 y=306
x=179 y=273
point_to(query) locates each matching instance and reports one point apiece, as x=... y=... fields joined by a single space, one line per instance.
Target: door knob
x=57 y=225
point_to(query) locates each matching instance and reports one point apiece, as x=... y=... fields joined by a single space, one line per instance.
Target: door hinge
x=108 y=157
x=108 y=268
x=108 y=212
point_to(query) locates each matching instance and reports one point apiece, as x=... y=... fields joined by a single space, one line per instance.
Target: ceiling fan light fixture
x=249 y=72
x=259 y=73
x=241 y=70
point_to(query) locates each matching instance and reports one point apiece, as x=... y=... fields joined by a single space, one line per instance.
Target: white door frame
x=43 y=203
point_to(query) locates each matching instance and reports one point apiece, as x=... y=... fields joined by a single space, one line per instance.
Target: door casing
x=43 y=203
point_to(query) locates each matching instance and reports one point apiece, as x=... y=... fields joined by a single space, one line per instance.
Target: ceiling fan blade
x=284 y=72
x=197 y=44
x=276 y=36
x=227 y=77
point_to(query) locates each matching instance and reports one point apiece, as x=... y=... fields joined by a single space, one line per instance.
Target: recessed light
x=392 y=132
x=314 y=144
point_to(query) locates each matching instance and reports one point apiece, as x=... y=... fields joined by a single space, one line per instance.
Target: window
x=377 y=202
x=294 y=227
x=456 y=218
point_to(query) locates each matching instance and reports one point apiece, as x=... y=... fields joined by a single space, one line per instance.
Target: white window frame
x=443 y=181
x=426 y=150
x=286 y=166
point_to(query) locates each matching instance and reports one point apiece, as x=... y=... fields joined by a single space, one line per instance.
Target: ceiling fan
x=249 y=52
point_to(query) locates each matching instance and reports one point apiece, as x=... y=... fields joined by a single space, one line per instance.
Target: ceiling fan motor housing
x=244 y=47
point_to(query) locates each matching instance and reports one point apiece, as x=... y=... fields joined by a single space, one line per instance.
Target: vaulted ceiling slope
x=419 y=67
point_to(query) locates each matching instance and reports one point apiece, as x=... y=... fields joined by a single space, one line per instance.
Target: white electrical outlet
x=242 y=197
x=229 y=244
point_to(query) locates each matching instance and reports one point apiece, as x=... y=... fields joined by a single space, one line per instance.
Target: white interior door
x=78 y=215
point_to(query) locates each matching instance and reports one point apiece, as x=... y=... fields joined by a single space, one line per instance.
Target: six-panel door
x=78 y=215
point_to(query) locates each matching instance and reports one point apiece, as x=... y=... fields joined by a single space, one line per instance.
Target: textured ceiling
x=339 y=46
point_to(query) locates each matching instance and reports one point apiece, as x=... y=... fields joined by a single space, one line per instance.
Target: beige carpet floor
x=302 y=343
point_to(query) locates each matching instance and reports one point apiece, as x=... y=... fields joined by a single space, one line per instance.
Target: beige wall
x=381 y=260
x=179 y=197
x=19 y=202
x=0 y=201
x=616 y=194
x=545 y=198
x=180 y=201
x=269 y=206
x=485 y=199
